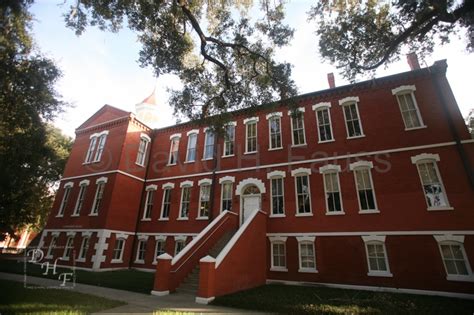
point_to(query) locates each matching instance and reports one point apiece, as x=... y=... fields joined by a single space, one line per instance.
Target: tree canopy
x=32 y=152
x=360 y=36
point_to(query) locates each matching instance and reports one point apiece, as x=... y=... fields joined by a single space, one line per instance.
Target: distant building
x=367 y=185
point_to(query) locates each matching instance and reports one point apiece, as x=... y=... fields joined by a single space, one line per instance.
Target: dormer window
x=142 y=149
x=96 y=147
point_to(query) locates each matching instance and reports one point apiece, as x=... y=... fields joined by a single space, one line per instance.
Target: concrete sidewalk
x=137 y=303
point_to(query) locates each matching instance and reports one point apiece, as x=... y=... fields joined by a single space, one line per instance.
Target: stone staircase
x=190 y=285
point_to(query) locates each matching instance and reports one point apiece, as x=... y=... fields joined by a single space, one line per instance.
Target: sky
x=101 y=67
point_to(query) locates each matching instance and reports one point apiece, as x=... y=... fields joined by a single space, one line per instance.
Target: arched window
x=251 y=190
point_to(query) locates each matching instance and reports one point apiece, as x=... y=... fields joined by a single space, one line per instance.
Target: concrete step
x=186 y=291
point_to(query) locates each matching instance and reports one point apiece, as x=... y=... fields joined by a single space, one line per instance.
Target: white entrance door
x=251 y=204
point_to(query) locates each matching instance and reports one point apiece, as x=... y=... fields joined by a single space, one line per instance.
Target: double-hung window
x=149 y=199
x=229 y=139
x=99 y=194
x=306 y=253
x=209 y=142
x=166 y=202
x=377 y=260
x=323 y=119
x=277 y=193
x=364 y=186
x=174 y=147
x=96 y=147
x=84 y=248
x=303 y=192
x=332 y=188
x=278 y=253
x=192 y=142
x=180 y=243
x=433 y=188
x=454 y=257
x=117 y=254
x=408 y=106
x=141 y=251
x=52 y=246
x=185 y=199
x=204 y=198
x=226 y=192
x=69 y=247
x=160 y=246
x=80 y=197
x=297 y=126
x=352 y=117
x=142 y=149
x=67 y=192
x=274 y=129
x=251 y=134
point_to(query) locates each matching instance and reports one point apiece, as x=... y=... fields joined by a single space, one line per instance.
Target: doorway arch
x=250 y=191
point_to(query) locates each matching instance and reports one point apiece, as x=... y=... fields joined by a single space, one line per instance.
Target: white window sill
x=307 y=270
x=59 y=215
x=279 y=269
x=182 y=219
x=74 y=215
x=187 y=162
x=380 y=274
x=369 y=211
x=139 y=262
x=141 y=165
x=326 y=141
x=202 y=218
x=298 y=145
x=274 y=149
x=81 y=260
x=335 y=213
x=146 y=219
x=280 y=215
x=416 y=128
x=309 y=214
x=463 y=278
x=65 y=258
x=356 y=137
x=207 y=159
x=440 y=208
x=163 y=219
x=253 y=152
x=171 y=164
x=116 y=261
x=93 y=214
x=154 y=262
x=228 y=156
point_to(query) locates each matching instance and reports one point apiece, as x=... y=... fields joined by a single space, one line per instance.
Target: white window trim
x=71 y=254
x=185 y=184
x=330 y=169
x=305 y=240
x=150 y=189
x=179 y=238
x=234 y=124
x=140 y=240
x=273 y=175
x=250 y=119
x=274 y=115
x=368 y=165
x=409 y=89
x=226 y=180
x=246 y=122
x=99 y=181
x=67 y=188
x=175 y=135
x=429 y=157
x=193 y=131
x=158 y=239
x=82 y=185
x=147 y=140
x=301 y=110
x=302 y=172
x=455 y=240
x=81 y=250
x=376 y=239
x=278 y=240
x=172 y=138
x=207 y=131
x=349 y=101
x=84 y=182
x=122 y=237
x=165 y=187
x=204 y=181
x=318 y=107
x=68 y=185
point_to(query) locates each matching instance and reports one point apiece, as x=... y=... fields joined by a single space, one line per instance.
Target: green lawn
x=130 y=280
x=15 y=299
x=318 y=300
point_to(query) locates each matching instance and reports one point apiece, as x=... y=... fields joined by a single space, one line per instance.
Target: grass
x=15 y=299
x=286 y=299
x=129 y=280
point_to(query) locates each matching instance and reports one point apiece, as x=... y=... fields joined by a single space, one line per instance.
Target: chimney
x=331 y=81
x=412 y=59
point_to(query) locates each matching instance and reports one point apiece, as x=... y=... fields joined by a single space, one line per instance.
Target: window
x=274 y=125
x=303 y=196
x=204 y=199
x=141 y=251
x=68 y=248
x=364 y=186
x=454 y=257
x=229 y=140
x=185 y=200
x=118 y=250
x=91 y=150
x=377 y=260
x=166 y=204
x=96 y=147
x=251 y=135
x=209 y=145
x=99 y=194
x=191 y=152
x=173 y=158
x=52 y=246
x=332 y=188
x=408 y=107
x=179 y=245
x=323 y=118
x=100 y=147
x=67 y=192
x=226 y=200
x=307 y=257
x=84 y=248
x=142 y=149
x=278 y=254
x=150 y=196
x=159 y=247
x=277 y=193
x=351 y=115
x=297 y=126
x=80 y=198
x=430 y=178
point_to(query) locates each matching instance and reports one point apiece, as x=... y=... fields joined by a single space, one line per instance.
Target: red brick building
x=366 y=186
